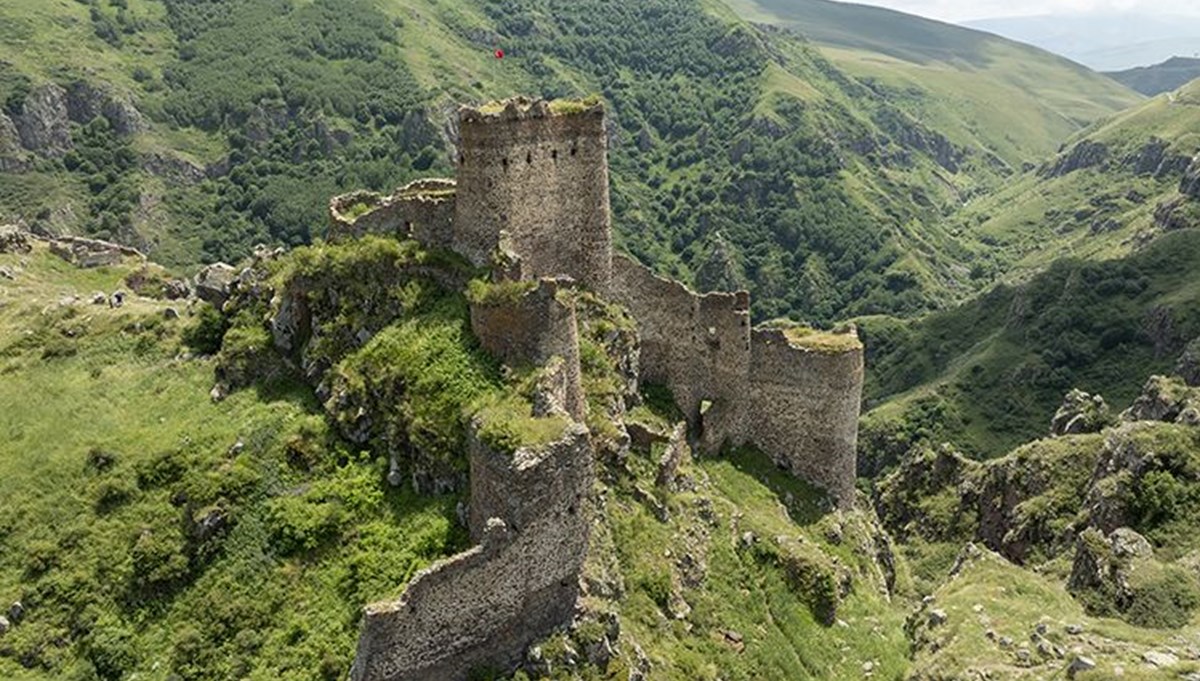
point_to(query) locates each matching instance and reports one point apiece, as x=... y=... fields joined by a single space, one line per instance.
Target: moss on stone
x=830 y=342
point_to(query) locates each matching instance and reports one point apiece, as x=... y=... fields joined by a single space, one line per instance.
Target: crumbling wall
x=483 y=608
x=803 y=409
x=421 y=210
x=538 y=180
x=799 y=405
x=696 y=345
x=529 y=329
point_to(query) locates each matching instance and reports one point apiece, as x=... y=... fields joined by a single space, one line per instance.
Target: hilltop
x=1153 y=80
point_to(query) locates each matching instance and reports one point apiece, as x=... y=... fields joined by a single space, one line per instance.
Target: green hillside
x=982 y=91
x=1159 y=78
x=988 y=375
x=742 y=156
x=1102 y=196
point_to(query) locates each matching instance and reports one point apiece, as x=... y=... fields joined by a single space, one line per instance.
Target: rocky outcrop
x=1154 y=158
x=1164 y=399
x=1190 y=184
x=1188 y=367
x=174 y=168
x=86 y=101
x=1081 y=413
x=212 y=284
x=13 y=240
x=12 y=154
x=43 y=124
x=1085 y=154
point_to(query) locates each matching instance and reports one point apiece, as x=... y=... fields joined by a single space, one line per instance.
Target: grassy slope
x=994 y=595
x=104 y=550
x=999 y=365
x=979 y=90
x=1034 y=220
x=744 y=591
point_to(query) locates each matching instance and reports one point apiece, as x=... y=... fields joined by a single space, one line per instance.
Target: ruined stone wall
x=422 y=210
x=696 y=345
x=800 y=406
x=530 y=329
x=803 y=409
x=538 y=181
x=483 y=608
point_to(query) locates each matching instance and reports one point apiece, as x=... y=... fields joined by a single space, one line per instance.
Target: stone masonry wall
x=531 y=329
x=803 y=409
x=799 y=406
x=422 y=210
x=538 y=181
x=483 y=608
x=698 y=345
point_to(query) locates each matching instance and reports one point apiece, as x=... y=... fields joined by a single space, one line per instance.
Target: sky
x=962 y=10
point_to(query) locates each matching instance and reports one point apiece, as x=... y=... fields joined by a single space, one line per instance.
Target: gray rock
x=213 y=283
x=14 y=240
x=170 y=313
x=1074 y=629
x=1080 y=413
x=16 y=612
x=12 y=155
x=1162 y=399
x=937 y=618
x=117 y=299
x=1188 y=367
x=6 y=273
x=1006 y=642
x=1024 y=654
x=176 y=289
x=1158 y=659
x=4 y=625
x=1129 y=544
x=1080 y=664
x=99 y=298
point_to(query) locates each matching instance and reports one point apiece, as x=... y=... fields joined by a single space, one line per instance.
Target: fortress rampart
x=483 y=608
x=531 y=328
x=421 y=210
x=531 y=201
x=798 y=404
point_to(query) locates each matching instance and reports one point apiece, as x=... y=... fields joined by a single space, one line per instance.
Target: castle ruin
x=532 y=203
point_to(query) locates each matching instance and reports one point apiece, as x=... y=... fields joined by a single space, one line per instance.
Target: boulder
x=1158 y=659
x=4 y=625
x=88 y=253
x=1080 y=413
x=14 y=240
x=213 y=283
x=1103 y=564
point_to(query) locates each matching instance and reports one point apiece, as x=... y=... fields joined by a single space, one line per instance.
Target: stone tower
x=534 y=179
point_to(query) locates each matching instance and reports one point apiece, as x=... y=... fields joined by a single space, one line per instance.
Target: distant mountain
x=977 y=89
x=1152 y=80
x=1105 y=42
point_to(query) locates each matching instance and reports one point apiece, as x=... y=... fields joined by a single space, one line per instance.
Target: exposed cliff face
x=86 y=101
x=1086 y=154
x=43 y=123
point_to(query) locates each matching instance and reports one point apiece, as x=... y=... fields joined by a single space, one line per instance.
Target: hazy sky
x=960 y=10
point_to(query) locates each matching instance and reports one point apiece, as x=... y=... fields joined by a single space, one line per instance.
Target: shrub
x=206 y=334
x=1164 y=597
